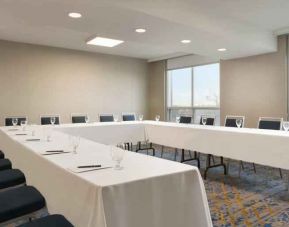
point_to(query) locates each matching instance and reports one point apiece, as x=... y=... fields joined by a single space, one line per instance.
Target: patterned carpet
x=249 y=200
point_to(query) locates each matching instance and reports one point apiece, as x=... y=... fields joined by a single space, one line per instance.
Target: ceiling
x=244 y=27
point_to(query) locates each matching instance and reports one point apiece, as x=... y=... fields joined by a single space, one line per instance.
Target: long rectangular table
x=148 y=192
x=265 y=147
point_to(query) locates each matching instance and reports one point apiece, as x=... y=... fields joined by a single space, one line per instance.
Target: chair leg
x=209 y=166
x=228 y=165
x=242 y=165
x=280 y=172
x=176 y=152
x=198 y=159
x=153 y=149
x=240 y=168
x=190 y=153
x=183 y=155
x=138 y=146
x=254 y=168
x=191 y=158
x=162 y=152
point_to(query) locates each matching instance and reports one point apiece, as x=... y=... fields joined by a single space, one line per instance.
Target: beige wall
x=255 y=86
x=156 y=91
x=37 y=80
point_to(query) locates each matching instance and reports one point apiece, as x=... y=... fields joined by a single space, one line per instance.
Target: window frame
x=192 y=107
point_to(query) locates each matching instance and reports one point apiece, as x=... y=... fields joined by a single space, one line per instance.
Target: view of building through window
x=194 y=91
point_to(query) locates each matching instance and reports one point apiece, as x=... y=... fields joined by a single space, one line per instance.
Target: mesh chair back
x=267 y=123
x=128 y=117
x=8 y=120
x=186 y=119
x=230 y=121
x=78 y=119
x=210 y=120
x=46 y=120
x=106 y=118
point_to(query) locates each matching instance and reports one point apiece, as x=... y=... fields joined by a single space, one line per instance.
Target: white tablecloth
x=265 y=147
x=108 y=132
x=148 y=192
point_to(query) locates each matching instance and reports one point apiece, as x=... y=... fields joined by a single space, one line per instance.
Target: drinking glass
x=239 y=123
x=157 y=118
x=117 y=153
x=286 y=125
x=204 y=120
x=86 y=119
x=140 y=117
x=178 y=119
x=47 y=132
x=74 y=141
x=23 y=125
x=115 y=118
x=14 y=121
x=52 y=120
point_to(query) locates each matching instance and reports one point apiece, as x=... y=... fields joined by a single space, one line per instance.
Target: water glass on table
x=140 y=117
x=86 y=119
x=286 y=125
x=52 y=120
x=204 y=120
x=23 y=124
x=14 y=122
x=178 y=119
x=239 y=123
x=117 y=154
x=157 y=118
x=74 y=142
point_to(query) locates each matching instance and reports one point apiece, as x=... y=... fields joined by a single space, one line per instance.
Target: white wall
x=37 y=80
x=255 y=86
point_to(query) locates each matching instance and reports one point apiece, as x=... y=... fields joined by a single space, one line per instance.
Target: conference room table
x=264 y=147
x=148 y=191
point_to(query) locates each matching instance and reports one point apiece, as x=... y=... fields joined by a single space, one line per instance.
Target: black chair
x=11 y=178
x=2 y=155
x=185 y=119
x=78 y=119
x=210 y=120
x=270 y=123
x=46 y=120
x=5 y=164
x=55 y=220
x=128 y=117
x=18 y=202
x=231 y=121
x=8 y=120
x=106 y=118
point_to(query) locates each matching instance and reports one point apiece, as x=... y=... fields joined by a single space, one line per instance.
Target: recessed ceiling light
x=106 y=42
x=186 y=41
x=140 y=30
x=222 y=49
x=75 y=15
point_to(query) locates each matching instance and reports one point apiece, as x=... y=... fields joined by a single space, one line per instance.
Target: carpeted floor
x=249 y=200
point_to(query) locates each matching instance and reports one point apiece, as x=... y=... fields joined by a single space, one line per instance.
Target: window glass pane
x=210 y=112
x=173 y=113
x=180 y=87
x=206 y=86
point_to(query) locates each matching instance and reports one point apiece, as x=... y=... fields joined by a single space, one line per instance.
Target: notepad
x=32 y=140
x=75 y=169
x=54 y=152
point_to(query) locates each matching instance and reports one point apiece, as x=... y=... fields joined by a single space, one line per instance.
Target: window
x=180 y=84
x=194 y=91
